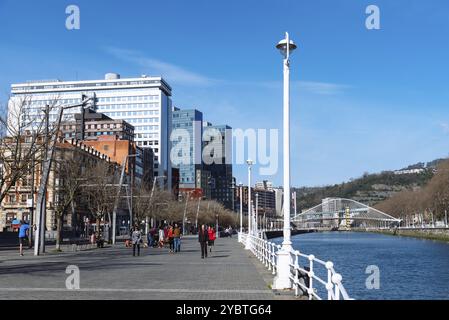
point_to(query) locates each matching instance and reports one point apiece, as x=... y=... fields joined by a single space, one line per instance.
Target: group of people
x=170 y=234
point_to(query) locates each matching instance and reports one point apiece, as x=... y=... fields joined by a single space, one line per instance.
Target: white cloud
x=445 y=127
x=173 y=73
x=181 y=76
x=321 y=88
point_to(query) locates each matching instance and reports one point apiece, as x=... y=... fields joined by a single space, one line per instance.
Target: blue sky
x=362 y=100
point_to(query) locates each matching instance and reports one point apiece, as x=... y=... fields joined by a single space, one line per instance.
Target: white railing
x=303 y=278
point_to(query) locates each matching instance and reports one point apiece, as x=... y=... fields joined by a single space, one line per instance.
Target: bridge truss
x=343 y=213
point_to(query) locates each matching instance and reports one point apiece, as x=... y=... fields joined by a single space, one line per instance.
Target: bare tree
x=23 y=136
x=69 y=171
x=98 y=191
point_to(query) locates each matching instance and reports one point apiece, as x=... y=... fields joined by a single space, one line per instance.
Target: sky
x=361 y=100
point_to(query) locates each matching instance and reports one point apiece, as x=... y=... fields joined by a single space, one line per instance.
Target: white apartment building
x=144 y=102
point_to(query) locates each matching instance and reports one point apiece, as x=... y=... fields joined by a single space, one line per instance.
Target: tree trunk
x=58 y=231
x=110 y=228
x=74 y=219
x=97 y=222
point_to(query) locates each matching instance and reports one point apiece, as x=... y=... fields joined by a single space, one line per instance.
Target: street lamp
x=151 y=199
x=185 y=212
x=282 y=280
x=248 y=238
x=256 y=226
x=241 y=209
x=39 y=242
x=114 y=210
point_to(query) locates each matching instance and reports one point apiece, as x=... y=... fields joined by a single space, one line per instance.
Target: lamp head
x=282 y=46
x=250 y=162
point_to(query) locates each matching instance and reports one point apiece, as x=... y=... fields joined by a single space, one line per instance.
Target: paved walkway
x=113 y=273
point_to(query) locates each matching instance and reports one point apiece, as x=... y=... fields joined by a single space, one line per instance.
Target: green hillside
x=370 y=188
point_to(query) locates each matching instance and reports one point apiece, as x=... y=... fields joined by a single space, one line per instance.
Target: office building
x=217 y=160
x=187 y=147
x=144 y=102
x=96 y=124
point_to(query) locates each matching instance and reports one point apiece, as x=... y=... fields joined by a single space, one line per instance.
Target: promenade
x=230 y=272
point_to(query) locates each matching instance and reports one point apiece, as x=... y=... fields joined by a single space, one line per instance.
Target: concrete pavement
x=230 y=272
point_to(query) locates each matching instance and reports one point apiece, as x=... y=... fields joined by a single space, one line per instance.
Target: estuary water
x=408 y=268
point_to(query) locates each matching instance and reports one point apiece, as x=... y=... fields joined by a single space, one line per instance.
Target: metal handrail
x=267 y=253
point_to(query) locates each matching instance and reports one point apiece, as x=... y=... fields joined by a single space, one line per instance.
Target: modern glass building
x=144 y=102
x=221 y=169
x=187 y=146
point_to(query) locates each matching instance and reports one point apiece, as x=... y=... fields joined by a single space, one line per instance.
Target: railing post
x=329 y=285
x=336 y=279
x=311 y=274
x=269 y=255
x=266 y=254
x=273 y=256
x=296 y=282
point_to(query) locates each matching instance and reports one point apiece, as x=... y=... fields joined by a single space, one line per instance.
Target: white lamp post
x=256 y=227
x=241 y=210
x=282 y=280
x=248 y=239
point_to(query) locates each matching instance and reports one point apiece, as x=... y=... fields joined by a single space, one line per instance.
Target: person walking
x=161 y=237
x=177 y=238
x=136 y=239
x=203 y=237
x=150 y=238
x=170 y=239
x=211 y=237
x=23 y=235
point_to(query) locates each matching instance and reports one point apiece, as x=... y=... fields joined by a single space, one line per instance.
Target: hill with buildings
x=370 y=189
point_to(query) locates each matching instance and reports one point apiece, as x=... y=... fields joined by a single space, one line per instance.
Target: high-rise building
x=144 y=102
x=217 y=143
x=187 y=147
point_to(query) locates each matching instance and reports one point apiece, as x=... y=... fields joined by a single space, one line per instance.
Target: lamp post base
x=248 y=242
x=282 y=280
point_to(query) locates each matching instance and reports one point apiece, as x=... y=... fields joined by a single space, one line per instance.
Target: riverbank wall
x=439 y=234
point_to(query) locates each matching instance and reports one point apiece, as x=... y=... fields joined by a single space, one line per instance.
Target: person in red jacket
x=211 y=234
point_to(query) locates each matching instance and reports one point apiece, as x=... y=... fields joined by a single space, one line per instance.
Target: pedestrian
x=202 y=239
x=170 y=239
x=23 y=235
x=177 y=238
x=136 y=239
x=161 y=237
x=230 y=232
x=211 y=237
x=150 y=238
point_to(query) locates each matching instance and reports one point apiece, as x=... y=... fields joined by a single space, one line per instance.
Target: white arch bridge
x=339 y=213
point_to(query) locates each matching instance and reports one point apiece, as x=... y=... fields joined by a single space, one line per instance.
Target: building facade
x=96 y=124
x=144 y=102
x=217 y=161
x=187 y=147
x=20 y=202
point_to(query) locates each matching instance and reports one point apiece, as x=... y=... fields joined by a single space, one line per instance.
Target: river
x=409 y=268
